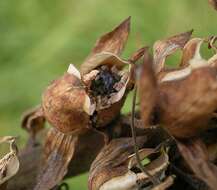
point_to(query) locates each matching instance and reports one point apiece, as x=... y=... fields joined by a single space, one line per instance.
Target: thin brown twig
x=153 y=179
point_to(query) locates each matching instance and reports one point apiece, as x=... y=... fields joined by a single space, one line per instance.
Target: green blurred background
x=39 y=38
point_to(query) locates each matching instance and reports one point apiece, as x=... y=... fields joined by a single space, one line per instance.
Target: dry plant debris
x=9 y=164
x=174 y=145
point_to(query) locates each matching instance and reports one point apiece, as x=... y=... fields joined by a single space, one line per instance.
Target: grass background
x=39 y=38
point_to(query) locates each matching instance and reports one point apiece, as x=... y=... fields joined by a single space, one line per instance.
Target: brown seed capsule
x=94 y=96
x=66 y=104
x=186 y=98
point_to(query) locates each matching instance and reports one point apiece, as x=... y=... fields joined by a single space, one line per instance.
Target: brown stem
x=153 y=179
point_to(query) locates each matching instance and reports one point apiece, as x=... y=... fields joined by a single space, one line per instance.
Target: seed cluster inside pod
x=104 y=83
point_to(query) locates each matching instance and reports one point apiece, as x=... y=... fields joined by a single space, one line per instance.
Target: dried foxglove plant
x=115 y=168
x=9 y=164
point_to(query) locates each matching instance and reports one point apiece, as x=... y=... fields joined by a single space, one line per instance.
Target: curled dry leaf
x=59 y=150
x=33 y=120
x=164 y=48
x=213 y=3
x=191 y=59
x=191 y=51
x=115 y=168
x=9 y=164
x=196 y=156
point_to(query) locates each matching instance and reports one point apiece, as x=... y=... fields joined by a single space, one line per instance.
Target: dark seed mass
x=104 y=82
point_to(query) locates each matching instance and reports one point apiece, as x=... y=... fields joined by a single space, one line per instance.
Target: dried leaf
x=196 y=156
x=112 y=42
x=147 y=89
x=59 y=150
x=213 y=3
x=33 y=120
x=164 y=48
x=9 y=164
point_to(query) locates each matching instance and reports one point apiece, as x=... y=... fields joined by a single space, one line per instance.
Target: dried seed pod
x=187 y=104
x=185 y=99
x=115 y=168
x=94 y=96
x=188 y=96
x=9 y=164
x=66 y=104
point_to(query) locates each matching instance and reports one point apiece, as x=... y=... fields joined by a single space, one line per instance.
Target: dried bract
x=9 y=164
x=148 y=89
x=164 y=48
